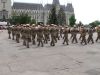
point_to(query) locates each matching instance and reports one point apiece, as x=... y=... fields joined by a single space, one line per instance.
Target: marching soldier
x=80 y=31
x=13 y=33
x=40 y=36
x=46 y=35
x=66 y=35
x=53 y=36
x=17 y=33
x=27 y=35
x=9 y=32
x=33 y=33
x=98 y=33
x=15 y=28
x=61 y=31
x=23 y=32
x=57 y=32
x=83 y=36
x=90 y=37
x=74 y=32
x=71 y=31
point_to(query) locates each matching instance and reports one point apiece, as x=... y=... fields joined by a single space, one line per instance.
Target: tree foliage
x=33 y=21
x=52 y=16
x=72 y=20
x=20 y=19
x=24 y=18
x=95 y=23
x=61 y=17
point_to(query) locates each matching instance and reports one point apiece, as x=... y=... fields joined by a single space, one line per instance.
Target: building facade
x=5 y=9
x=37 y=11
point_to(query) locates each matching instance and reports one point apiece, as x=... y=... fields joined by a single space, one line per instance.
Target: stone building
x=37 y=11
x=5 y=9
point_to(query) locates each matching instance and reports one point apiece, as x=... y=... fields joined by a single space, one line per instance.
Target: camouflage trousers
x=74 y=39
x=83 y=40
x=46 y=38
x=13 y=35
x=98 y=38
x=17 y=38
x=9 y=35
x=33 y=40
x=57 y=36
x=90 y=38
x=40 y=42
x=53 y=40
x=27 y=42
x=65 y=40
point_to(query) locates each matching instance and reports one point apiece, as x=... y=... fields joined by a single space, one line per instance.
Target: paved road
x=74 y=59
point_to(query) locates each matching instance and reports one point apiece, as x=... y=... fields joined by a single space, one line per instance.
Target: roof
x=31 y=6
x=55 y=2
x=69 y=7
x=49 y=7
x=34 y=6
x=63 y=7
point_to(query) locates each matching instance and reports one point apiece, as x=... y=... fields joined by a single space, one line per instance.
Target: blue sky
x=85 y=10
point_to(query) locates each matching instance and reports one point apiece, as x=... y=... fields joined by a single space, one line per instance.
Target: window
x=3 y=5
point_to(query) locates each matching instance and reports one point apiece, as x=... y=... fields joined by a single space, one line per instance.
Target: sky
x=86 y=11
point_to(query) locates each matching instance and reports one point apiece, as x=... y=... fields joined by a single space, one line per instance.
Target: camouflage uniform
x=40 y=37
x=27 y=36
x=46 y=35
x=90 y=37
x=61 y=32
x=83 y=36
x=9 y=32
x=15 y=28
x=17 y=34
x=53 y=36
x=33 y=33
x=71 y=31
x=74 y=34
x=65 y=36
x=98 y=34
x=24 y=35
x=13 y=33
x=57 y=34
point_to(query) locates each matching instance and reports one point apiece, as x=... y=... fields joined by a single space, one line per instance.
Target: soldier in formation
x=65 y=32
x=74 y=32
x=98 y=33
x=90 y=35
x=9 y=32
x=33 y=33
x=53 y=36
x=41 y=35
x=83 y=36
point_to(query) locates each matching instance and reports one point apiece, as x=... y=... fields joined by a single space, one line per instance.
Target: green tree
x=14 y=20
x=20 y=19
x=52 y=16
x=33 y=21
x=24 y=19
x=72 y=20
x=61 y=17
x=95 y=23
